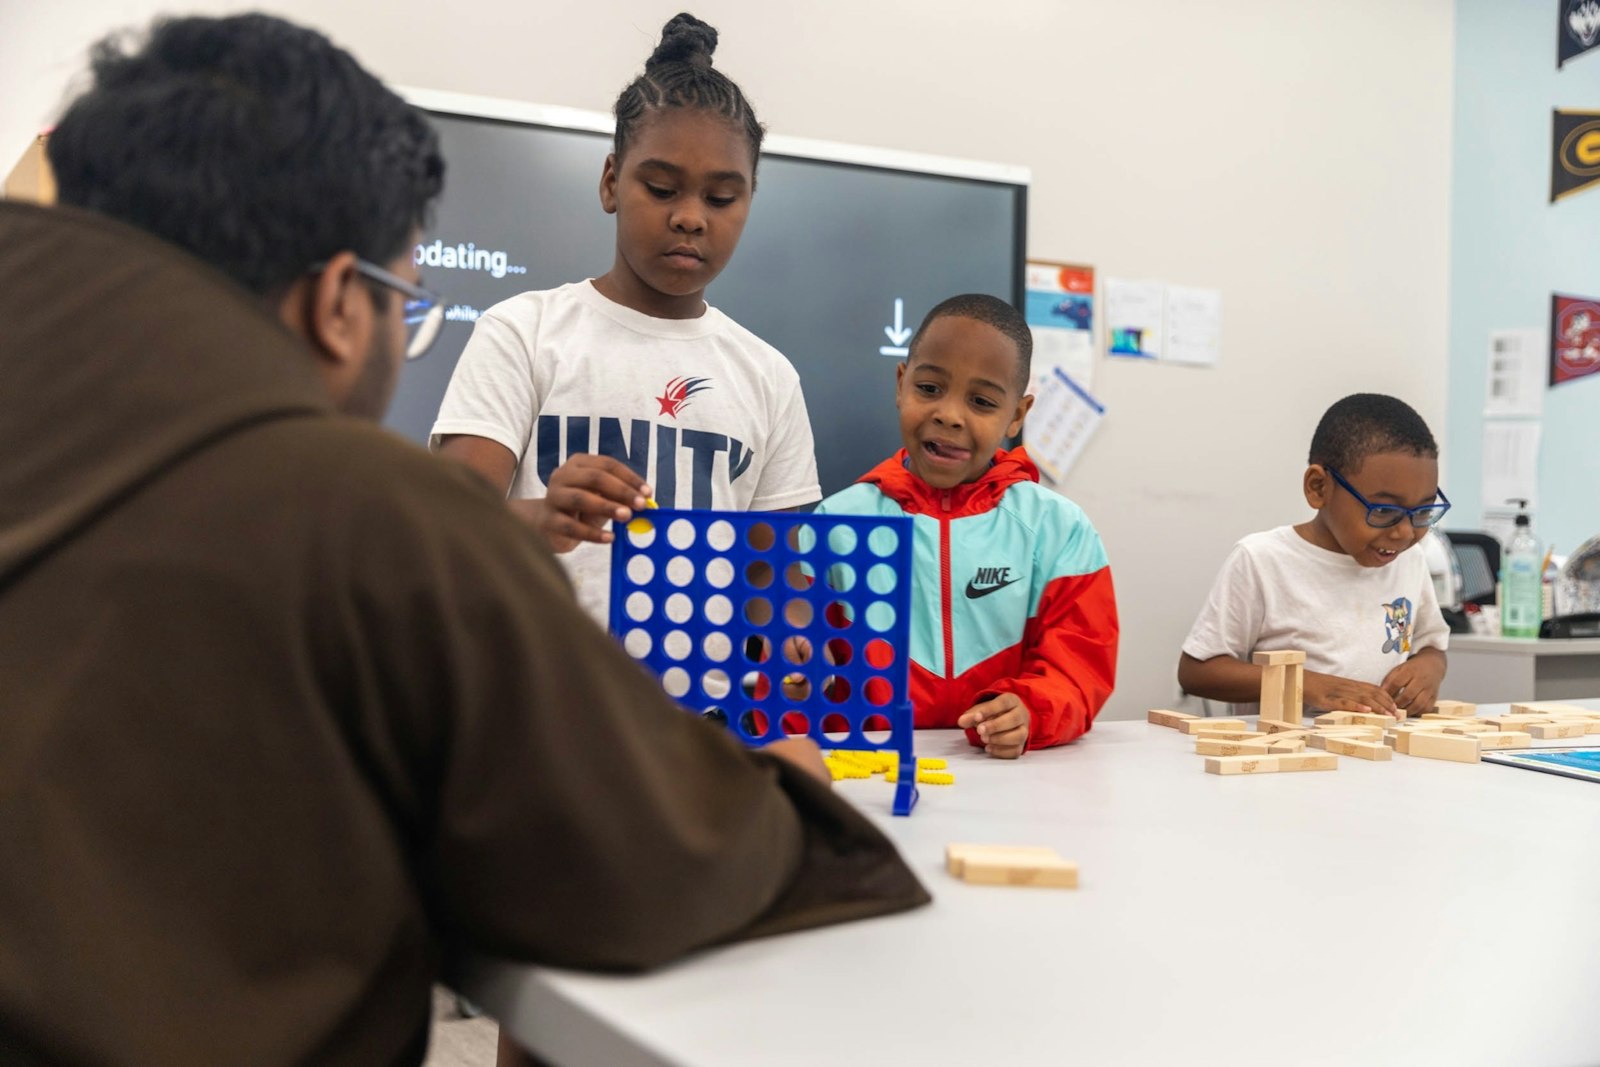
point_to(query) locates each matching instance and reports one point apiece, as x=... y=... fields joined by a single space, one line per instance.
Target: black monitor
x=833 y=248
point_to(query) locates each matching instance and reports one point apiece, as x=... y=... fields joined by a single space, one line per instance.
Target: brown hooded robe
x=286 y=704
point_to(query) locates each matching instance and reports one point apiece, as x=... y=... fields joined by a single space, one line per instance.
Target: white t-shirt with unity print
x=704 y=410
x=1279 y=591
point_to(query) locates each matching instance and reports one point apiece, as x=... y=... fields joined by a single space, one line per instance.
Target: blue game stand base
x=775 y=624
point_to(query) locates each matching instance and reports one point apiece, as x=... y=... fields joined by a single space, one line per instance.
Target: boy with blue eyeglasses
x=1341 y=587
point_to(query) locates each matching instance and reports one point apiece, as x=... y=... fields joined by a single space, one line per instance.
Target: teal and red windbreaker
x=1011 y=593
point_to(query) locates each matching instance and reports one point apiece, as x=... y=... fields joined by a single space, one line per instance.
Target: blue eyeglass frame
x=1436 y=511
x=424 y=310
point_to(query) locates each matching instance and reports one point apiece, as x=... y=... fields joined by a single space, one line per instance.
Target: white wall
x=1295 y=156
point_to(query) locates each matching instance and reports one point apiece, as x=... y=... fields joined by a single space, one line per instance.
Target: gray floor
x=459 y=1042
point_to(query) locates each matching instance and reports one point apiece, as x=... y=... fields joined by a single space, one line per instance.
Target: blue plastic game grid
x=775 y=624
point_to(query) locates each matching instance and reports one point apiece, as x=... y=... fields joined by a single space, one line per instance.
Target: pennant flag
x=1580 y=29
x=1574 y=337
x=1574 y=152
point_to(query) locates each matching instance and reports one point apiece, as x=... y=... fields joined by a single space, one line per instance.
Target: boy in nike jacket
x=1014 y=621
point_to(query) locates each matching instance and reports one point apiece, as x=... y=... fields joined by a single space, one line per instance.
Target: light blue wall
x=1511 y=248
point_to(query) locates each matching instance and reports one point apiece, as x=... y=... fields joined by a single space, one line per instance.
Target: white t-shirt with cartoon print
x=1276 y=590
x=704 y=410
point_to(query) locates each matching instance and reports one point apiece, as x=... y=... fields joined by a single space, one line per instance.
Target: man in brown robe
x=286 y=705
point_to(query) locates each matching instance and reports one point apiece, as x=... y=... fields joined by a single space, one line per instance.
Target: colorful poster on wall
x=1063 y=418
x=1574 y=338
x=1060 y=314
x=1580 y=29
x=1136 y=318
x=1574 y=152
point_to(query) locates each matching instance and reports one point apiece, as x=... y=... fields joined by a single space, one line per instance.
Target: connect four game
x=775 y=625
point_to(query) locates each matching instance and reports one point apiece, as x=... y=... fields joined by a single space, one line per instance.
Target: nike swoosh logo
x=973 y=592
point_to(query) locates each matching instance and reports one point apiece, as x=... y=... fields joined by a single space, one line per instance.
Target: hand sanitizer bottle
x=1521 y=584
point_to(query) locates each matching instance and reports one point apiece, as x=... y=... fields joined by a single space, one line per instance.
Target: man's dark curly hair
x=253 y=143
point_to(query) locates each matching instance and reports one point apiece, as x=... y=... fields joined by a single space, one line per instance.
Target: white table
x=1409 y=912
x=1509 y=670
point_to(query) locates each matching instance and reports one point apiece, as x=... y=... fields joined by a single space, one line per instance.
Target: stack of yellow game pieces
x=850 y=763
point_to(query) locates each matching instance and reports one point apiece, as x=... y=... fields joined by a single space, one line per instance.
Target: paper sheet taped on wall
x=1063 y=418
x=1510 y=462
x=1194 y=326
x=1515 y=383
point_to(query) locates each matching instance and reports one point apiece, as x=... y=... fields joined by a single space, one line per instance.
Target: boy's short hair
x=252 y=143
x=1365 y=424
x=992 y=311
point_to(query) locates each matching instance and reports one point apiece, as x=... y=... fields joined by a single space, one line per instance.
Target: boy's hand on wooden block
x=1414 y=684
x=1002 y=723
x=1332 y=693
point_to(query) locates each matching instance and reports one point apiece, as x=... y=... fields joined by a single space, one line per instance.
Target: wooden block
x=1272 y=681
x=1544 y=731
x=1430 y=745
x=1217 y=747
x=1354 y=733
x=1551 y=707
x=956 y=856
x=1517 y=717
x=991 y=869
x=1243 y=764
x=1368 y=750
x=1503 y=739
x=1190 y=726
x=1434 y=725
x=1229 y=735
x=1455 y=709
x=1287 y=744
x=1294 y=695
x=1469 y=726
x=1162 y=717
x=1308 y=761
x=1281 y=658
x=1333 y=718
x=1372 y=718
x=1276 y=726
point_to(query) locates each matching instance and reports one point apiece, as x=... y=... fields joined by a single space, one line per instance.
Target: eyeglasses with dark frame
x=424 y=310
x=1383 y=516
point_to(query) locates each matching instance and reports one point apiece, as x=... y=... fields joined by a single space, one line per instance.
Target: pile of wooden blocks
x=1452 y=731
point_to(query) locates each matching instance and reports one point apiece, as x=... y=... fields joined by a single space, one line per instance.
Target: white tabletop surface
x=1404 y=912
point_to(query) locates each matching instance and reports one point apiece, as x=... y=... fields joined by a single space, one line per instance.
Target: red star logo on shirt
x=678 y=393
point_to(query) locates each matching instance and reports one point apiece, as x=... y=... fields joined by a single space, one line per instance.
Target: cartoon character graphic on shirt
x=1397 y=622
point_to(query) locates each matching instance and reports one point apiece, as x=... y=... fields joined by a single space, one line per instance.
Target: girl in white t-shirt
x=584 y=402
